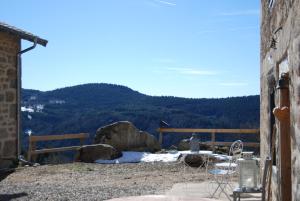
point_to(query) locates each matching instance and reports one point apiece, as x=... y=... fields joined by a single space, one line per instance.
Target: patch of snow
x=221 y=157
x=29 y=116
x=169 y=157
x=57 y=101
x=27 y=109
x=28 y=132
x=34 y=108
x=172 y=156
x=32 y=98
x=39 y=108
x=136 y=157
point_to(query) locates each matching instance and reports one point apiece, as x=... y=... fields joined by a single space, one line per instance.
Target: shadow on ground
x=8 y=197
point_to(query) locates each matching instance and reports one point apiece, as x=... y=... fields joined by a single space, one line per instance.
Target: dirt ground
x=82 y=181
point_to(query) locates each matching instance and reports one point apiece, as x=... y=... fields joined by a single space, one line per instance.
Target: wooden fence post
x=213 y=140
x=34 y=156
x=160 y=138
x=81 y=141
x=29 y=150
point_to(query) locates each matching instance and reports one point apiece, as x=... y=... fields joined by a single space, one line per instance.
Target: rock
x=90 y=153
x=193 y=160
x=184 y=145
x=205 y=146
x=221 y=150
x=124 y=136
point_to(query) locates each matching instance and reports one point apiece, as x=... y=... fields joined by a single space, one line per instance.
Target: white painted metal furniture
x=220 y=179
x=262 y=189
x=222 y=173
x=235 y=152
x=205 y=155
x=248 y=173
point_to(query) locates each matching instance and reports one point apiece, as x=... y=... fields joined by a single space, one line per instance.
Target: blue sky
x=186 y=48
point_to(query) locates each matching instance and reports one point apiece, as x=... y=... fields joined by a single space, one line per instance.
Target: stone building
x=280 y=95
x=10 y=85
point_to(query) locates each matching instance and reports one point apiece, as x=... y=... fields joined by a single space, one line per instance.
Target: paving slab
x=189 y=192
x=160 y=198
x=204 y=190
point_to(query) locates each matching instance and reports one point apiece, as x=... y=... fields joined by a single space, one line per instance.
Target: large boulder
x=90 y=153
x=124 y=136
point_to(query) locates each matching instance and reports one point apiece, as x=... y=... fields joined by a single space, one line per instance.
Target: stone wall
x=284 y=16
x=9 y=47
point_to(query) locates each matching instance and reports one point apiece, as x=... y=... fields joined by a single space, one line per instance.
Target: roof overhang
x=22 y=34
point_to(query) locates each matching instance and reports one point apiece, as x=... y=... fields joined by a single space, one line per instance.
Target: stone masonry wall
x=284 y=14
x=9 y=47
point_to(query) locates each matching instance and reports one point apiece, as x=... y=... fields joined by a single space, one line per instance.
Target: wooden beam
x=160 y=140
x=245 y=144
x=203 y=130
x=32 y=152
x=59 y=149
x=58 y=137
x=213 y=141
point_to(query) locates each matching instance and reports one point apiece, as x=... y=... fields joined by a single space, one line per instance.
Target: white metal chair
x=222 y=173
x=220 y=180
x=235 y=152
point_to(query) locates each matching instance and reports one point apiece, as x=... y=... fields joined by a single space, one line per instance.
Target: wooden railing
x=213 y=133
x=34 y=139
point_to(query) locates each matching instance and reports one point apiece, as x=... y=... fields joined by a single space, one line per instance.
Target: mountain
x=84 y=108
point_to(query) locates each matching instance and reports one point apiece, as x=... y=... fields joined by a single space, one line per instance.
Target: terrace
x=159 y=179
x=279 y=114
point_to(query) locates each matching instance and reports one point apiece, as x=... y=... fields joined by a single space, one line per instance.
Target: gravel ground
x=81 y=181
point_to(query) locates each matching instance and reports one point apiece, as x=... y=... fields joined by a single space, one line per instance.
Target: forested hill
x=84 y=108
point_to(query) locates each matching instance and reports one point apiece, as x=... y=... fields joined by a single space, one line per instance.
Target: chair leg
x=222 y=183
x=227 y=186
x=234 y=196
x=223 y=190
x=216 y=189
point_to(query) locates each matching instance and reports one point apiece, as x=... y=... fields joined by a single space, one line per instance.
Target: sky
x=185 y=48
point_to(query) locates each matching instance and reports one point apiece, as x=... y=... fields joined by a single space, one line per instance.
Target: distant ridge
x=84 y=108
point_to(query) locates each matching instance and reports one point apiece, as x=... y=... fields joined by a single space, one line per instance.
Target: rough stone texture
x=10 y=96
x=284 y=14
x=4 y=133
x=124 y=136
x=90 y=153
x=184 y=145
x=192 y=160
x=9 y=147
x=9 y=47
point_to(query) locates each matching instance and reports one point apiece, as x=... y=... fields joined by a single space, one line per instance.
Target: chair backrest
x=236 y=150
x=267 y=167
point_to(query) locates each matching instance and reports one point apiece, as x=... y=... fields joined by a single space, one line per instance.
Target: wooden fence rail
x=34 y=139
x=213 y=133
